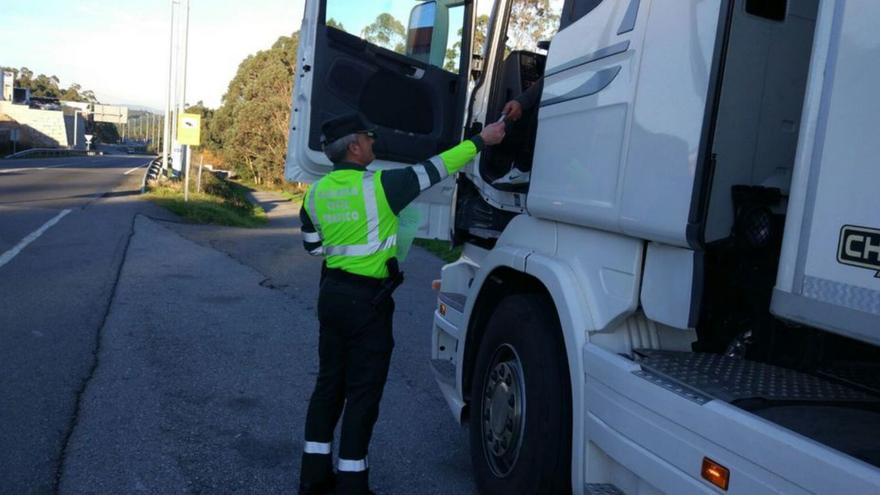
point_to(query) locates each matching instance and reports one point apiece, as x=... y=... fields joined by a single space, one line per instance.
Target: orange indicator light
x=715 y=473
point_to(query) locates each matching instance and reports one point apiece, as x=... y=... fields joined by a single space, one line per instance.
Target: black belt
x=343 y=276
x=379 y=289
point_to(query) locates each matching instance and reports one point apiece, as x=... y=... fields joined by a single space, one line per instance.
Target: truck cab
x=684 y=297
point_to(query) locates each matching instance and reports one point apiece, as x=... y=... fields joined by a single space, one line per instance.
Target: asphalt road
x=141 y=355
x=54 y=295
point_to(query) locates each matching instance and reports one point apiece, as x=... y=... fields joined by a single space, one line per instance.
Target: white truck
x=685 y=297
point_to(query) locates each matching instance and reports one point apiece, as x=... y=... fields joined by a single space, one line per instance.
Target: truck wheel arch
x=547 y=276
x=500 y=283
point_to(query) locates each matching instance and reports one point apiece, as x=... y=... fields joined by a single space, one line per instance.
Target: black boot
x=348 y=483
x=327 y=487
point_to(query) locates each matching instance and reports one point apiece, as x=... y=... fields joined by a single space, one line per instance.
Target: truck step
x=863 y=376
x=704 y=376
x=602 y=489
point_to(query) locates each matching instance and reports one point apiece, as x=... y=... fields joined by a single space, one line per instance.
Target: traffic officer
x=350 y=218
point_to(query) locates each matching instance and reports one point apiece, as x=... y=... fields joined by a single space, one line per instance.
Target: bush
x=222 y=203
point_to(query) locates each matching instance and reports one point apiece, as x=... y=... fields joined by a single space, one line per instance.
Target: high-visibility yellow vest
x=357 y=227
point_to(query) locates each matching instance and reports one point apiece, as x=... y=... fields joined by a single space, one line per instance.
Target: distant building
x=45 y=128
x=9 y=130
x=21 y=96
x=7 y=81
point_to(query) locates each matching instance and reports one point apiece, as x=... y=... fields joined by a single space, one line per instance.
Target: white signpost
x=89 y=141
x=13 y=136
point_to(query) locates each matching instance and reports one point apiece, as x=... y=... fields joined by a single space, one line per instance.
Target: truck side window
x=768 y=9
x=575 y=9
x=531 y=21
x=403 y=26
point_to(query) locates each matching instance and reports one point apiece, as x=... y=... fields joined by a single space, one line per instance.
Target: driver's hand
x=493 y=134
x=513 y=110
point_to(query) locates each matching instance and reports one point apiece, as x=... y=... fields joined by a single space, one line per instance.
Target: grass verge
x=222 y=203
x=441 y=249
x=292 y=191
x=293 y=196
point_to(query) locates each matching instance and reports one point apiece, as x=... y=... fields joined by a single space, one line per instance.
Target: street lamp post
x=74 y=128
x=167 y=130
x=185 y=150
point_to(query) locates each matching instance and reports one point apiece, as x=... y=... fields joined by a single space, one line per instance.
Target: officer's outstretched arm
x=402 y=186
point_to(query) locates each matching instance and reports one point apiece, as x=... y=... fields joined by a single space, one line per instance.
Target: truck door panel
x=413 y=103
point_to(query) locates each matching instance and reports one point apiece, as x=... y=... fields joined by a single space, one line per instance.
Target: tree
x=250 y=127
x=531 y=21
x=88 y=96
x=452 y=54
x=23 y=77
x=106 y=132
x=72 y=93
x=50 y=86
x=335 y=24
x=387 y=32
x=45 y=86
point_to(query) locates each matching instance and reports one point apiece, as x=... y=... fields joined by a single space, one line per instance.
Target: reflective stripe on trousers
x=352 y=466
x=317 y=448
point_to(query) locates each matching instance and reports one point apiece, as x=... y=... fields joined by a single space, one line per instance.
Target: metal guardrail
x=50 y=153
x=152 y=173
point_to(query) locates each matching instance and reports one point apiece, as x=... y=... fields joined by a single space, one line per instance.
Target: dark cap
x=339 y=127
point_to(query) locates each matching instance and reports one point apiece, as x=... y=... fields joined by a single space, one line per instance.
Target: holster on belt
x=395 y=278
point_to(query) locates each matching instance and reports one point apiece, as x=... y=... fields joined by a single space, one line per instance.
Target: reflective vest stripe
x=356 y=226
x=312 y=211
x=352 y=466
x=311 y=236
x=361 y=249
x=369 y=194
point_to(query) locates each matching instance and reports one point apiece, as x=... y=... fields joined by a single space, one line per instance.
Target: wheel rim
x=503 y=410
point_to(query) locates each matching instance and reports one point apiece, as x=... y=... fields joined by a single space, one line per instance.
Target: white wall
x=45 y=128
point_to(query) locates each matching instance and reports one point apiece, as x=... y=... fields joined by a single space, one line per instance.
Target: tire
x=520 y=419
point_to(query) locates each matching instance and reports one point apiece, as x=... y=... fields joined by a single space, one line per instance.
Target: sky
x=119 y=48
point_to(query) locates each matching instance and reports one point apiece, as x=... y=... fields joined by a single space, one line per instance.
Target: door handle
x=415 y=72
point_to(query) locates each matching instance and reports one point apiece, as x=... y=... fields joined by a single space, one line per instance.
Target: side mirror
x=420 y=31
x=427 y=33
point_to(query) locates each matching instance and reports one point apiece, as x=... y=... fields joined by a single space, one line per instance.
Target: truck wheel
x=520 y=419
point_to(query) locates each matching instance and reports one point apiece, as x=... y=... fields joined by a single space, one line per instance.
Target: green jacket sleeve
x=403 y=185
x=459 y=156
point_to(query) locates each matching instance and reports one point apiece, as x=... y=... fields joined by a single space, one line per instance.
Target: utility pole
x=182 y=96
x=165 y=141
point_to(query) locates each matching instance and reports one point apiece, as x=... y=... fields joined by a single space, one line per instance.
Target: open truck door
x=393 y=62
x=829 y=271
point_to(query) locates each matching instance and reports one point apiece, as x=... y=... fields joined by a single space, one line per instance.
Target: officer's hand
x=513 y=109
x=493 y=134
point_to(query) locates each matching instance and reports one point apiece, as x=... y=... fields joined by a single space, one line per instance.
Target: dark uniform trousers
x=354 y=348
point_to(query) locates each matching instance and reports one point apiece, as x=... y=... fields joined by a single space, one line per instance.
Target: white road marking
x=11 y=170
x=136 y=168
x=12 y=253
